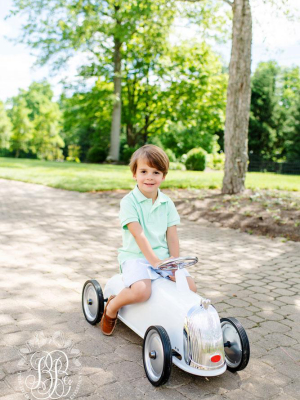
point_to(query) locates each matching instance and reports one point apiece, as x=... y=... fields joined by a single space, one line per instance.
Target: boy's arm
x=173 y=241
x=137 y=232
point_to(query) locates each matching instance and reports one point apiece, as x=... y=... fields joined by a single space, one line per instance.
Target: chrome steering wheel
x=177 y=263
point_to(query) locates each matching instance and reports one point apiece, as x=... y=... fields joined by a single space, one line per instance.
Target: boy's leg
x=138 y=292
x=190 y=281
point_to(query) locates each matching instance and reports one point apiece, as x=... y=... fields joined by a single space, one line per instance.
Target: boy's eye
x=156 y=172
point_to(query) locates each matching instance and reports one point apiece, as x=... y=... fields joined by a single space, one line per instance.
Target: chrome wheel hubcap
x=154 y=355
x=233 y=353
x=90 y=302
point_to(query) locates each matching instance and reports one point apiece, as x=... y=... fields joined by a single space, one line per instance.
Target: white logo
x=50 y=364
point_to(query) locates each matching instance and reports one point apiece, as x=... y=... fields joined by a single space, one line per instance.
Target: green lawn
x=91 y=177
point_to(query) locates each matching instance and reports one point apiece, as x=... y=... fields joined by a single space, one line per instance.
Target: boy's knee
x=143 y=295
x=142 y=291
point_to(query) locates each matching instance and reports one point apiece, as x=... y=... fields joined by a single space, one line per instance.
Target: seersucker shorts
x=139 y=268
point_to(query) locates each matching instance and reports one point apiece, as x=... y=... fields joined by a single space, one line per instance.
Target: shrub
x=215 y=161
x=96 y=154
x=152 y=139
x=127 y=152
x=196 y=159
x=55 y=154
x=171 y=155
x=177 y=166
x=183 y=158
x=73 y=153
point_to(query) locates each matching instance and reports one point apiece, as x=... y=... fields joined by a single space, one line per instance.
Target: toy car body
x=177 y=326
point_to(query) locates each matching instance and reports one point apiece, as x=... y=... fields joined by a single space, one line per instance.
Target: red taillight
x=216 y=358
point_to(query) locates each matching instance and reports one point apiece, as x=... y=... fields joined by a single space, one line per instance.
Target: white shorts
x=139 y=268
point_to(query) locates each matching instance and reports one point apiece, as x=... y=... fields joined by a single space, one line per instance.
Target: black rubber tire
x=244 y=342
x=100 y=306
x=167 y=349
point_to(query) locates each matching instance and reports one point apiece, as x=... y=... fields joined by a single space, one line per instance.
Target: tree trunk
x=116 y=114
x=145 y=135
x=131 y=135
x=238 y=100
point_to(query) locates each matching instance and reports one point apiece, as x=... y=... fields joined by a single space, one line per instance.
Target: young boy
x=148 y=219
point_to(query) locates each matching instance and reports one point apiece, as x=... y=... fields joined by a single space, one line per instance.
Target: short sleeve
x=173 y=216
x=127 y=213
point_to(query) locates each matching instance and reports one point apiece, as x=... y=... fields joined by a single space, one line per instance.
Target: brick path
x=52 y=241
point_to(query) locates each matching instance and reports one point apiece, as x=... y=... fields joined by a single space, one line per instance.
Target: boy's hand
x=172 y=276
x=160 y=261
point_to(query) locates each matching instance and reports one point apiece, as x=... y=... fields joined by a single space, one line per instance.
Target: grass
x=94 y=177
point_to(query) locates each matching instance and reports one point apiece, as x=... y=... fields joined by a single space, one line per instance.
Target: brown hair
x=154 y=156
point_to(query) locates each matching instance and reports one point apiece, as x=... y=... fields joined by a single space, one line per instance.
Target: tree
x=5 y=128
x=46 y=117
x=46 y=141
x=287 y=114
x=161 y=81
x=238 y=98
x=100 y=29
x=274 y=120
x=181 y=83
x=36 y=122
x=293 y=146
x=143 y=80
x=87 y=117
x=239 y=94
x=263 y=117
x=22 y=126
x=195 y=98
x=182 y=90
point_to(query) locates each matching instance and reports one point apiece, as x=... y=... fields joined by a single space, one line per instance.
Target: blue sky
x=273 y=38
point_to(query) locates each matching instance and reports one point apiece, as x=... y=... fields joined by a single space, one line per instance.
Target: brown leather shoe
x=107 y=323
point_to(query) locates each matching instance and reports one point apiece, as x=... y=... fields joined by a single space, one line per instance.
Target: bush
x=183 y=158
x=72 y=159
x=96 y=154
x=180 y=138
x=196 y=159
x=171 y=155
x=127 y=152
x=54 y=154
x=215 y=161
x=73 y=153
x=152 y=139
x=177 y=166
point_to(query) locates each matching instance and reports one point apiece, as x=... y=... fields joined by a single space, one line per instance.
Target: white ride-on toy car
x=177 y=326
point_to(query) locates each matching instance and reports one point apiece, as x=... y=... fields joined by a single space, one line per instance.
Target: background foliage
x=173 y=94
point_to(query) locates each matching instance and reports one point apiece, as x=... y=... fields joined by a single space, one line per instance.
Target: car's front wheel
x=236 y=344
x=157 y=355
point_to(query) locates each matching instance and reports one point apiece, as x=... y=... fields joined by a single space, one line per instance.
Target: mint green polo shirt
x=155 y=219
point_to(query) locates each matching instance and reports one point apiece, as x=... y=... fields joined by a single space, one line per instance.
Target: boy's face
x=148 y=178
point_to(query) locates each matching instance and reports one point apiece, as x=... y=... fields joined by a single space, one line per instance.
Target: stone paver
x=52 y=241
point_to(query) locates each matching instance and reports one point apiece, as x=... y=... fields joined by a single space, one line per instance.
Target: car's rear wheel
x=157 y=355
x=236 y=344
x=92 y=301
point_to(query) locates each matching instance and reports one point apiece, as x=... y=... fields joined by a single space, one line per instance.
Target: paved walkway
x=52 y=241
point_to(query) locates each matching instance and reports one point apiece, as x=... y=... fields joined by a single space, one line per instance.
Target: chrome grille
x=203 y=338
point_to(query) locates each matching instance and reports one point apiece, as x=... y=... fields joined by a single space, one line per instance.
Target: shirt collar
x=140 y=197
